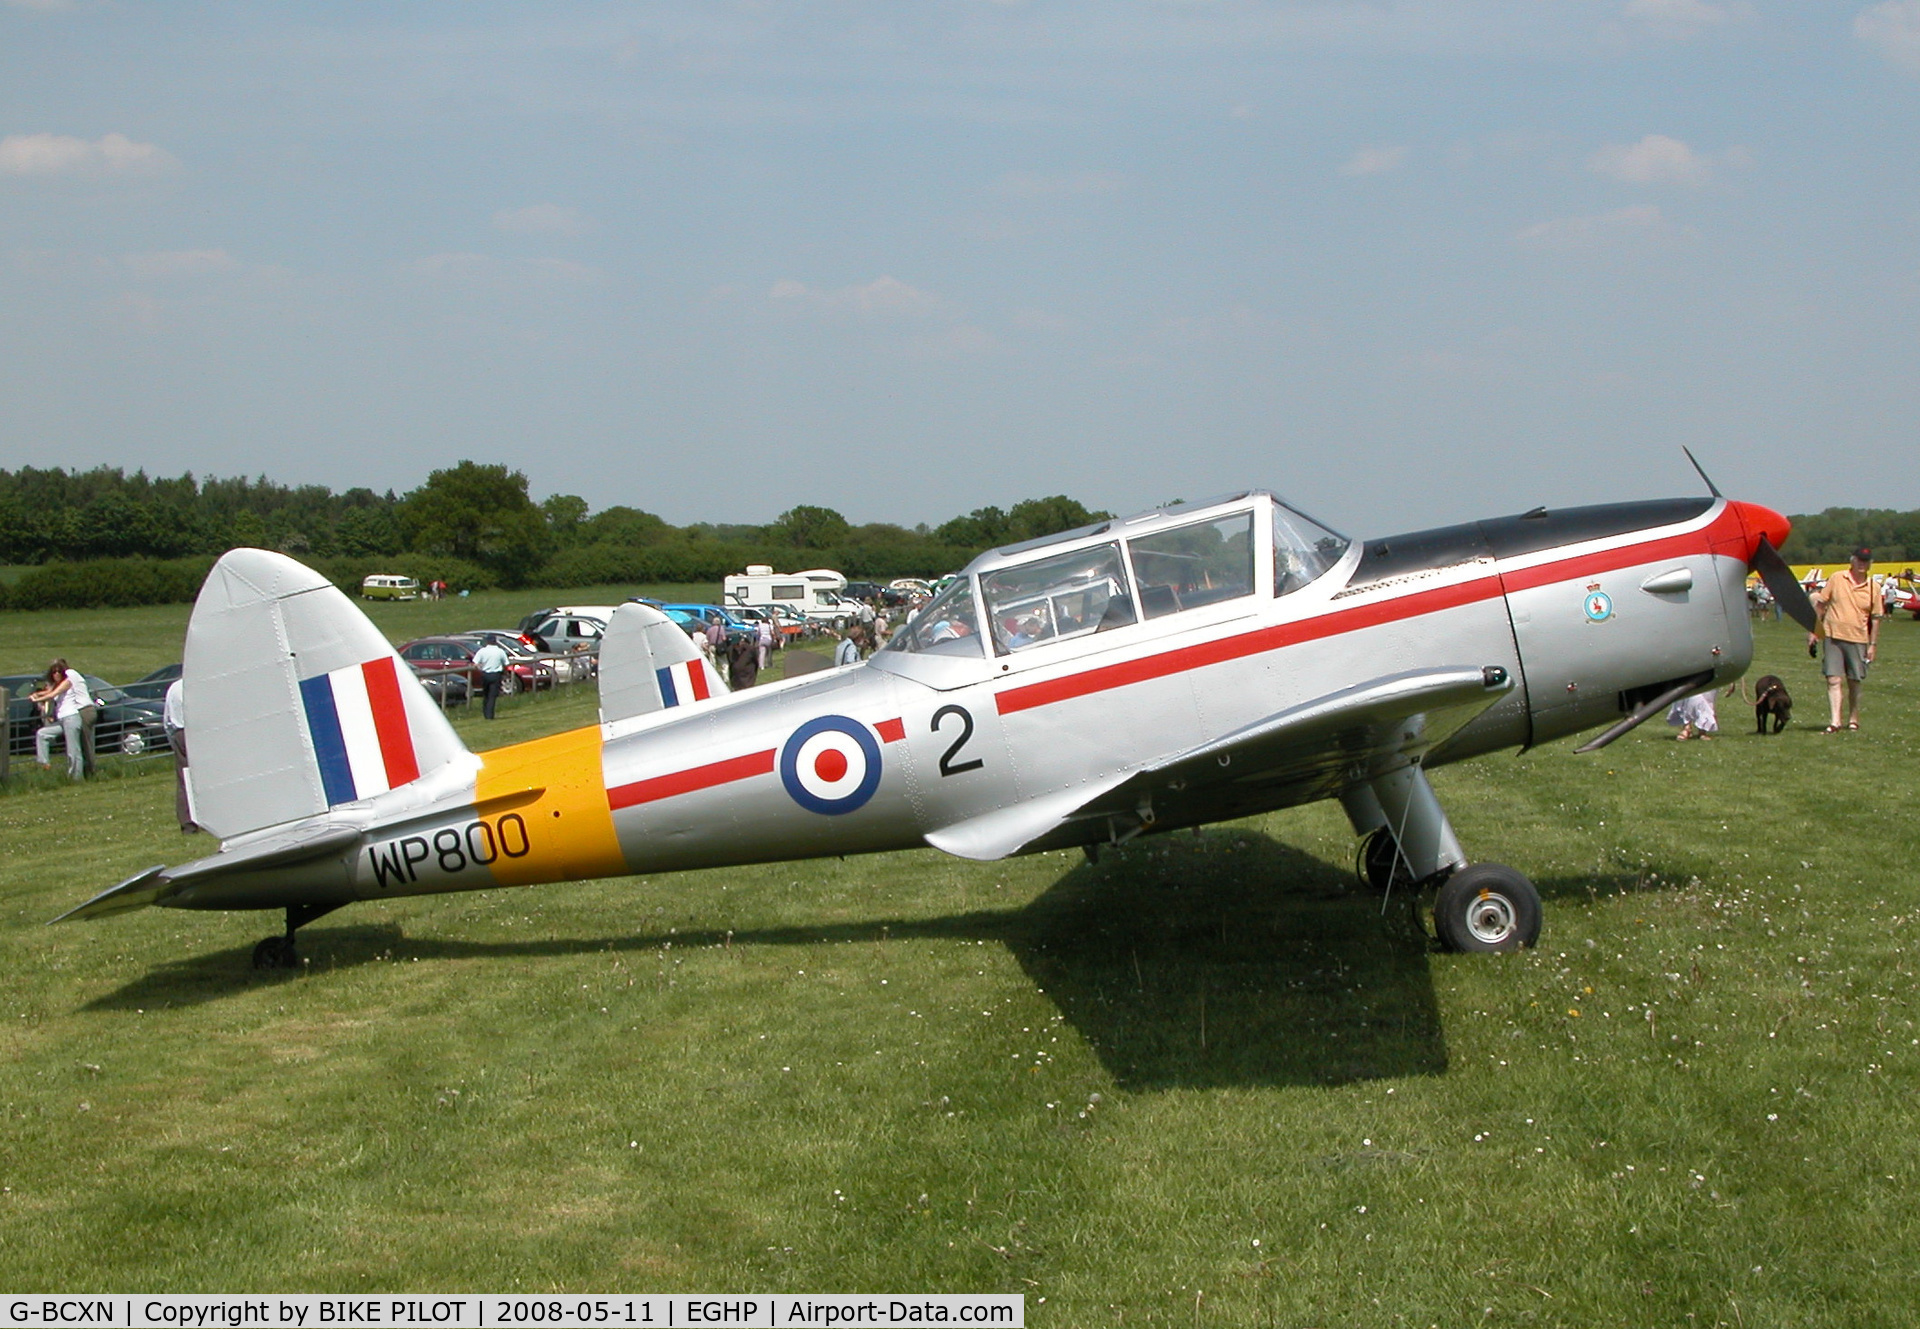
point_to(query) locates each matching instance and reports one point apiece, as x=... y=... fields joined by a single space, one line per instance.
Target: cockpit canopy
x=1160 y=563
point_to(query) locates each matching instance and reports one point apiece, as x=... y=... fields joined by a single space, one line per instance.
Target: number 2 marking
x=948 y=766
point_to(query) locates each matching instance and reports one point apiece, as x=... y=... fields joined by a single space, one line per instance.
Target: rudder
x=295 y=702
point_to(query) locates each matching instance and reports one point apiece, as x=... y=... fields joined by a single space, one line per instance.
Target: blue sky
x=1406 y=263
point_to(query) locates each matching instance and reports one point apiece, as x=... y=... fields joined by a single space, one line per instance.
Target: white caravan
x=815 y=593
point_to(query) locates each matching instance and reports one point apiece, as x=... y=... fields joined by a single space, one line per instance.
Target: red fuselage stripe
x=685 y=782
x=1365 y=616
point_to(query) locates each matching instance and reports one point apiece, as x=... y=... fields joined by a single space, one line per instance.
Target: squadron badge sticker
x=1599 y=606
x=831 y=765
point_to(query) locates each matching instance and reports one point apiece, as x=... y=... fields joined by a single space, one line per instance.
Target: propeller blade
x=1789 y=593
x=1712 y=488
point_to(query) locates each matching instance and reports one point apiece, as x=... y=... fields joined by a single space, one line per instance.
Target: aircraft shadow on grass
x=1225 y=959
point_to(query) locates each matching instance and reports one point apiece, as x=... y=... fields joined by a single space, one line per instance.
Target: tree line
x=103 y=537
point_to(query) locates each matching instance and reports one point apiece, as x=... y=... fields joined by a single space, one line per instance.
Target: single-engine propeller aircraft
x=1188 y=665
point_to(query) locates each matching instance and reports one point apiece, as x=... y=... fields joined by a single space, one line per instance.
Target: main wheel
x=1487 y=907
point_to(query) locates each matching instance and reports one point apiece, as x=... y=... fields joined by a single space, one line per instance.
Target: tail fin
x=647 y=663
x=295 y=702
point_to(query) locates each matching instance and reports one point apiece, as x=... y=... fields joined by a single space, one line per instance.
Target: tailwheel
x=1487 y=907
x=279 y=952
x=276 y=953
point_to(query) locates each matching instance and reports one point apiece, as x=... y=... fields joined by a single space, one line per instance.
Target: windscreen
x=948 y=625
x=1302 y=549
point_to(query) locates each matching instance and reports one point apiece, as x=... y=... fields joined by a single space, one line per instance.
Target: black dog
x=1770 y=698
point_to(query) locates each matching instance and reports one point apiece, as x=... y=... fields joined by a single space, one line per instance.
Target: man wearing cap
x=1849 y=609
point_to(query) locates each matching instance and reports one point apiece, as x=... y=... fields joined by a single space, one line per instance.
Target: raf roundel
x=830 y=765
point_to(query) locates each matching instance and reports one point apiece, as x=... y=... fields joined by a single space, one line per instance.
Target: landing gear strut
x=280 y=952
x=1477 y=906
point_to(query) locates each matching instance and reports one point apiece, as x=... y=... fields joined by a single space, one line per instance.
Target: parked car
x=434 y=659
x=567 y=632
x=130 y=726
x=785 y=628
x=381 y=586
x=686 y=615
x=154 y=686
x=532 y=667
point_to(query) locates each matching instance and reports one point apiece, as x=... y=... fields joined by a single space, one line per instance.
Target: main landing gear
x=279 y=952
x=1409 y=844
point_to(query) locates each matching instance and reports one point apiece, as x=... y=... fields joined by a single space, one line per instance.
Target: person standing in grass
x=1849 y=611
x=173 y=715
x=491 y=661
x=66 y=693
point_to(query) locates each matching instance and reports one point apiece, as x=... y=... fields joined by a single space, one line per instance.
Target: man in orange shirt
x=1849 y=608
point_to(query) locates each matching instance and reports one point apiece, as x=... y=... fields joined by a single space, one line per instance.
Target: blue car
x=690 y=615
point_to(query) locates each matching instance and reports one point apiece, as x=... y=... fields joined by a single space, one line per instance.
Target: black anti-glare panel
x=1511 y=537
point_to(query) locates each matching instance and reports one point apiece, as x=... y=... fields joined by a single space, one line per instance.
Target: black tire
x=1487 y=907
x=509 y=683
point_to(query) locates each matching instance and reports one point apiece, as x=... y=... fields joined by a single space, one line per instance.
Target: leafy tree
x=979 y=529
x=368 y=531
x=621 y=525
x=807 y=527
x=480 y=513
x=1048 y=516
x=564 y=513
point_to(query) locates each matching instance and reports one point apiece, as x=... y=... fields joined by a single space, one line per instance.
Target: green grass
x=121 y=645
x=1204 y=1082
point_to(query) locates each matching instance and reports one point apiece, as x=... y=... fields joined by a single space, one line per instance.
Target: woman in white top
x=67 y=691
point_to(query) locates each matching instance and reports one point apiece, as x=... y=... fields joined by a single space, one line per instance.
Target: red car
x=437 y=660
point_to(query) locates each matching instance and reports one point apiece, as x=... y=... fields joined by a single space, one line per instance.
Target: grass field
x=1205 y=1082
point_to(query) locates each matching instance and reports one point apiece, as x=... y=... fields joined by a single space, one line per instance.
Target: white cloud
x=1654 y=160
x=62 y=154
x=1894 y=27
x=1073 y=184
x=1636 y=225
x=1375 y=161
x=883 y=297
x=543 y=219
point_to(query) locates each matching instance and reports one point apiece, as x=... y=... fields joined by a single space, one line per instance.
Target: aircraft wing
x=1311 y=751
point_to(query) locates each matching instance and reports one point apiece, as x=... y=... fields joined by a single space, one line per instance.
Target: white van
x=383 y=587
x=815 y=593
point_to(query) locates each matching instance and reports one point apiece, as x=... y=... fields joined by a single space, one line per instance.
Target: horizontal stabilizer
x=136 y=892
x=648 y=663
x=157 y=884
